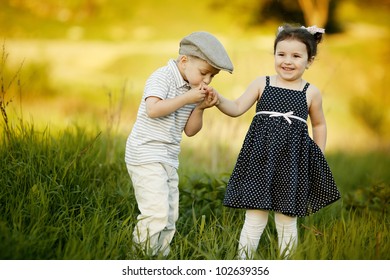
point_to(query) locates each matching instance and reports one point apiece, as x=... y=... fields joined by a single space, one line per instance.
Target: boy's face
x=197 y=71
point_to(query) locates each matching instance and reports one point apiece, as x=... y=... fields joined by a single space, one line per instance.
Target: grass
x=63 y=197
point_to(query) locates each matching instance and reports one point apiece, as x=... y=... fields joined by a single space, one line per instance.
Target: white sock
x=287 y=233
x=255 y=222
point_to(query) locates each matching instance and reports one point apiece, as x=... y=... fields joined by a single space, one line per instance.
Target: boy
x=174 y=99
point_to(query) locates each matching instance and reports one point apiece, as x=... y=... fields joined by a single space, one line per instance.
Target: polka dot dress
x=279 y=167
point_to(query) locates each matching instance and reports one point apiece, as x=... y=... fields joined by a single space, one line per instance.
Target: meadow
x=65 y=115
x=69 y=197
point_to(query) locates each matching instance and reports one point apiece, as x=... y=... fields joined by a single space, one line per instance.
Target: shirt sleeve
x=157 y=85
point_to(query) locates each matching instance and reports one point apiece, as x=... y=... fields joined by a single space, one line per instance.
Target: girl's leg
x=287 y=233
x=255 y=222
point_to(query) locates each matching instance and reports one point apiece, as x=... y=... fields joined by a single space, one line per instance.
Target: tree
x=315 y=12
x=305 y=12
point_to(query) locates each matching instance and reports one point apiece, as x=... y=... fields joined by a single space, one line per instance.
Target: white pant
x=157 y=194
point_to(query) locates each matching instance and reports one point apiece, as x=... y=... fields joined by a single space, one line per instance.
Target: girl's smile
x=291 y=59
x=288 y=69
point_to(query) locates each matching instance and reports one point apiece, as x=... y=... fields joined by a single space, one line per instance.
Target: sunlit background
x=85 y=63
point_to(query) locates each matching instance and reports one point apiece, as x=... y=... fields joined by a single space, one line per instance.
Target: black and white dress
x=279 y=167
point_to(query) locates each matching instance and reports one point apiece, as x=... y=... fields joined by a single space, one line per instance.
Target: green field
x=69 y=197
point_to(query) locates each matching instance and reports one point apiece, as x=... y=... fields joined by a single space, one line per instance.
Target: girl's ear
x=310 y=62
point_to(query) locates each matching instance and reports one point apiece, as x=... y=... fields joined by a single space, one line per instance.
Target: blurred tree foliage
x=64 y=10
x=259 y=10
x=308 y=12
x=102 y=12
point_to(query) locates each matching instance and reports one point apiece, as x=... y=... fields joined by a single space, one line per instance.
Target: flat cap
x=205 y=46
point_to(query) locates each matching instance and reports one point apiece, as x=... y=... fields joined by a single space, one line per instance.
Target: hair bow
x=314 y=29
x=311 y=29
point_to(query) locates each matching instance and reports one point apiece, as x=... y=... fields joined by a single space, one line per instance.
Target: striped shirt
x=158 y=139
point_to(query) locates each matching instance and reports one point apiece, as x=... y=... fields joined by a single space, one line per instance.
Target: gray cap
x=207 y=47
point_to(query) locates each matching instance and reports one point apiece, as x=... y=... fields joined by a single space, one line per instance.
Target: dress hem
x=308 y=213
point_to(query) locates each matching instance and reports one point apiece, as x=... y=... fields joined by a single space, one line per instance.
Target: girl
x=280 y=168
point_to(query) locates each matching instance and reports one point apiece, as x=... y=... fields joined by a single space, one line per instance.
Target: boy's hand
x=196 y=95
x=211 y=98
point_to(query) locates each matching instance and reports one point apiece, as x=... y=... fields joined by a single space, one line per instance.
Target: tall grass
x=61 y=198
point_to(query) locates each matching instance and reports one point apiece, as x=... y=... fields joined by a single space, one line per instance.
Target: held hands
x=211 y=98
x=205 y=96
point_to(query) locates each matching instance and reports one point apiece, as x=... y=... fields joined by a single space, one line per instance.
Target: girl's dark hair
x=301 y=34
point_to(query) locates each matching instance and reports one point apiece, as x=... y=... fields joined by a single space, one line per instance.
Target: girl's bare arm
x=235 y=108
